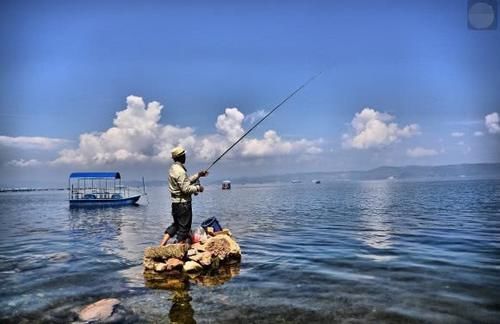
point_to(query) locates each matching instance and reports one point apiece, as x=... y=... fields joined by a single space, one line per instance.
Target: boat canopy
x=95 y=175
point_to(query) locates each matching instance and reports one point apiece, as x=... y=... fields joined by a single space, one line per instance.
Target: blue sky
x=69 y=66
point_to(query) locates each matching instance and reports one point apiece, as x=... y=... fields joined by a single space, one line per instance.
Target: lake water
x=375 y=251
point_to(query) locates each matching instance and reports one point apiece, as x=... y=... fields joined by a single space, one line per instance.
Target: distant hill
x=442 y=172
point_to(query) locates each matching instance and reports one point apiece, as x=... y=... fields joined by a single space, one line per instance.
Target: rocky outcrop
x=214 y=251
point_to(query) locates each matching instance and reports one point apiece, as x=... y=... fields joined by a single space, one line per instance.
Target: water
x=332 y=252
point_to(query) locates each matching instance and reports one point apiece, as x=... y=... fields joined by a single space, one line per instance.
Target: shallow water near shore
x=332 y=252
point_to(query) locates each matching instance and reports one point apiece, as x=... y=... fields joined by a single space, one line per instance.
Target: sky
x=115 y=85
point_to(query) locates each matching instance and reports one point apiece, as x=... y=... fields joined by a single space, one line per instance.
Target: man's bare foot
x=165 y=239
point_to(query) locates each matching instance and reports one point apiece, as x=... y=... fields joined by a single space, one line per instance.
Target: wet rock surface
x=99 y=311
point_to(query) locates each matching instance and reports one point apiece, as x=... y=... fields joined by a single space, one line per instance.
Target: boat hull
x=104 y=202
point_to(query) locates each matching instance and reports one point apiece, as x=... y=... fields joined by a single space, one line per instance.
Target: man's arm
x=198 y=175
x=185 y=184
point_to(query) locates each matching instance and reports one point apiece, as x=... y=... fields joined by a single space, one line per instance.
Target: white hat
x=177 y=151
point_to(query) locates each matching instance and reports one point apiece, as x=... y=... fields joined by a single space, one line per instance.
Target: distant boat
x=99 y=189
x=316 y=181
x=296 y=181
x=226 y=185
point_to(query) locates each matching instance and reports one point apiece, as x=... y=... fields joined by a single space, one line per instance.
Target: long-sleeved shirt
x=180 y=185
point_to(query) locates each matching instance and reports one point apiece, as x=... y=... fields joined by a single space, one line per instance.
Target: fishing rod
x=262 y=119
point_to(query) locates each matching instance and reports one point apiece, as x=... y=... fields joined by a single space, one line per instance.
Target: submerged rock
x=99 y=311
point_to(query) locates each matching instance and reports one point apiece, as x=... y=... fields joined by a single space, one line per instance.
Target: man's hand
x=202 y=173
x=201 y=188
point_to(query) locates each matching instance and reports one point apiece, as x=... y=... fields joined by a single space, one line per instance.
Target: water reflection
x=375 y=200
x=179 y=285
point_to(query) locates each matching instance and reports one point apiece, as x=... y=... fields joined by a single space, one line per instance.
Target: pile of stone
x=216 y=249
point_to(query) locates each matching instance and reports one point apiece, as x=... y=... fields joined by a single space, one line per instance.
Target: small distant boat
x=296 y=181
x=316 y=181
x=99 y=189
x=226 y=185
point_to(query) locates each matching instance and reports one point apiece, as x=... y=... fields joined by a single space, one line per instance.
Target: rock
x=160 y=267
x=227 y=232
x=191 y=266
x=210 y=231
x=98 y=311
x=166 y=252
x=195 y=257
x=174 y=264
x=223 y=246
x=191 y=252
x=149 y=264
x=198 y=247
x=205 y=259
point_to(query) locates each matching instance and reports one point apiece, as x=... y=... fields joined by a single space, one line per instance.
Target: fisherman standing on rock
x=181 y=188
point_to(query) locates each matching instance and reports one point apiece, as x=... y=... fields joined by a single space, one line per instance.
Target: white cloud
x=492 y=122
x=478 y=133
x=457 y=134
x=421 y=152
x=137 y=136
x=32 y=143
x=272 y=144
x=24 y=163
x=255 y=116
x=371 y=128
x=229 y=123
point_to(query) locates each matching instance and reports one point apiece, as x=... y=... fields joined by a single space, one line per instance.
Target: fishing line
x=262 y=119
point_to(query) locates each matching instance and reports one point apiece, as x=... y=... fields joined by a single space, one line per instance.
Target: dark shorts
x=183 y=217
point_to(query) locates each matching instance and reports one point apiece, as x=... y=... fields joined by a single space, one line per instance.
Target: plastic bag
x=198 y=235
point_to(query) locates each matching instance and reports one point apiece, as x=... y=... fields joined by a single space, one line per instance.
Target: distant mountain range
x=442 y=172
x=427 y=173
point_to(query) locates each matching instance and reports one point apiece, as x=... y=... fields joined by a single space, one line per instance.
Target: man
x=181 y=188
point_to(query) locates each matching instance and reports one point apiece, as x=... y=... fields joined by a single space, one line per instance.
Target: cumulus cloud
x=137 y=135
x=24 y=163
x=457 y=134
x=229 y=123
x=36 y=142
x=492 y=122
x=272 y=144
x=371 y=128
x=418 y=152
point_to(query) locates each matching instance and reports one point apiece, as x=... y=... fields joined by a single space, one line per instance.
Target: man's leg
x=184 y=221
x=172 y=229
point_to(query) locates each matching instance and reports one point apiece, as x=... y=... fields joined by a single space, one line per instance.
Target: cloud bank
x=30 y=143
x=371 y=129
x=418 y=152
x=137 y=136
x=21 y=163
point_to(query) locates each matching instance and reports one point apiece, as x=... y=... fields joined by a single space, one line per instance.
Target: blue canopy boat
x=99 y=189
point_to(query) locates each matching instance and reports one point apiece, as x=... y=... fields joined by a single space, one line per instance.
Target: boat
x=296 y=181
x=226 y=185
x=99 y=189
x=316 y=181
